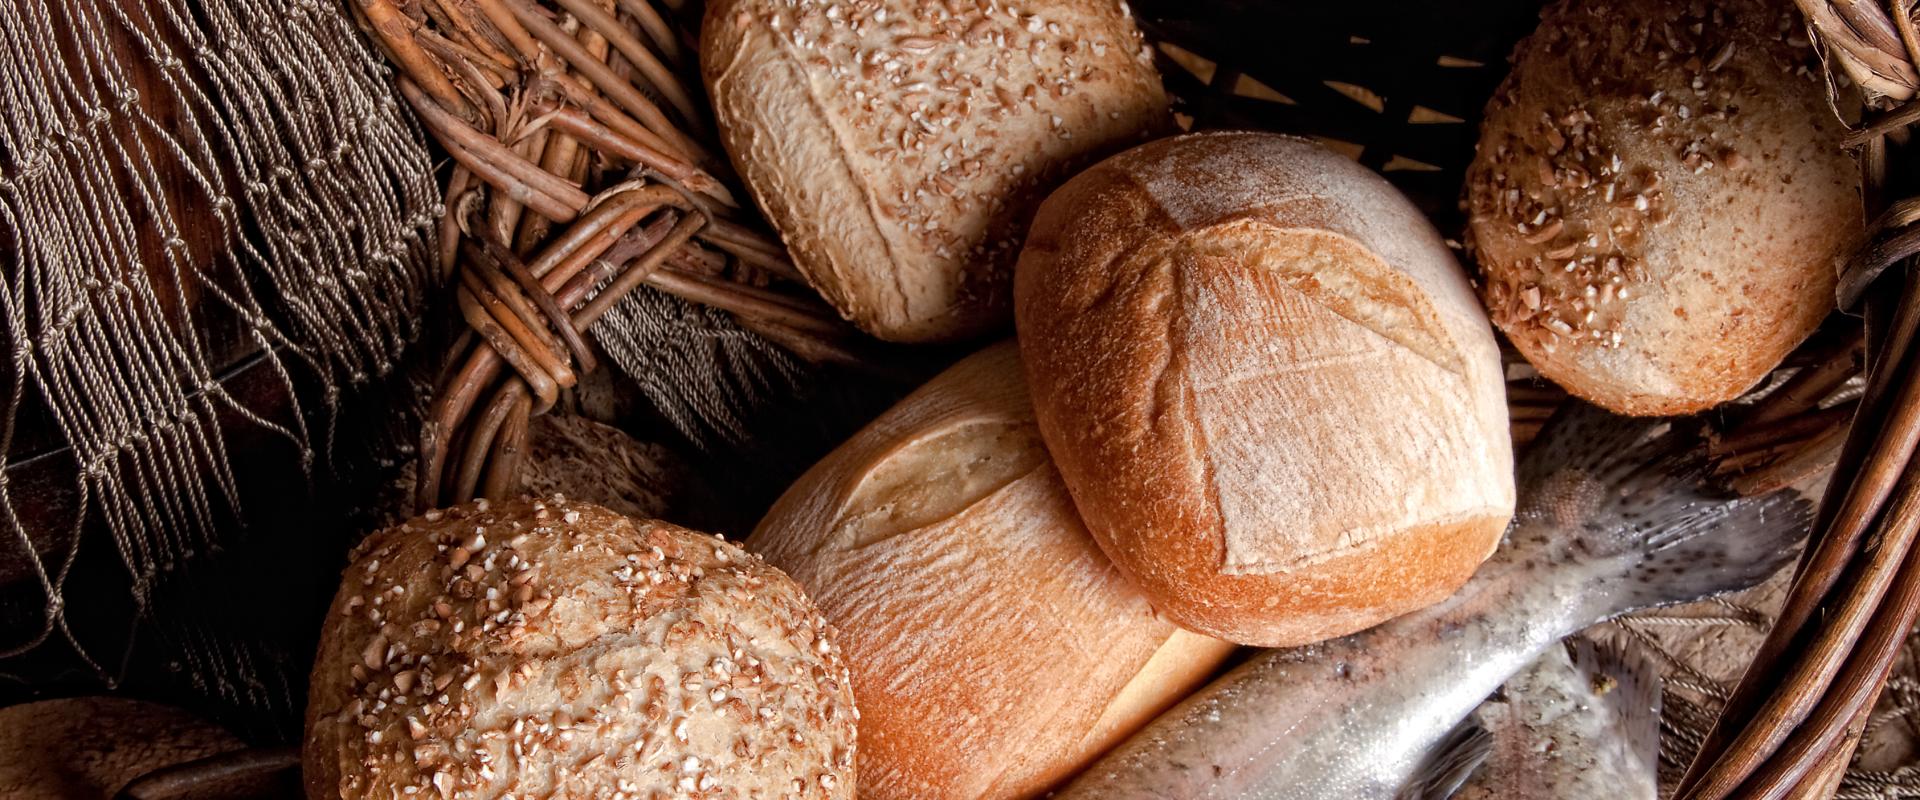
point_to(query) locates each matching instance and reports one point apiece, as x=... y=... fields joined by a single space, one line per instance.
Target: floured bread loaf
x=900 y=146
x=994 y=649
x=542 y=648
x=1660 y=199
x=1267 y=384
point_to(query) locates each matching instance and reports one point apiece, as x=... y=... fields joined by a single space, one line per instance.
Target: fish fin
x=1629 y=500
x=1628 y=683
x=1450 y=763
x=1588 y=439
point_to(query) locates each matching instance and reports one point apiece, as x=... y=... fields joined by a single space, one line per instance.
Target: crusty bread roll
x=900 y=146
x=542 y=648
x=994 y=649
x=1660 y=199
x=1267 y=384
x=89 y=748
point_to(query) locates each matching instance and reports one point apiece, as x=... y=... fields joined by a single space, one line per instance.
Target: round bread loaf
x=994 y=649
x=1267 y=384
x=89 y=748
x=900 y=146
x=1660 y=199
x=542 y=648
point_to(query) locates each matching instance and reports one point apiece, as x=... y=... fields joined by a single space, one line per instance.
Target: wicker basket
x=534 y=102
x=584 y=159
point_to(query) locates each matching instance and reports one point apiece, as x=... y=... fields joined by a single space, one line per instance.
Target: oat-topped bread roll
x=1660 y=199
x=542 y=648
x=1268 y=385
x=900 y=146
x=994 y=649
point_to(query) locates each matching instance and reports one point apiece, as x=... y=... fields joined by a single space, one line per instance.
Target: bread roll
x=900 y=146
x=994 y=649
x=597 y=463
x=89 y=748
x=555 y=649
x=1267 y=384
x=571 y=455
x=1660 y=199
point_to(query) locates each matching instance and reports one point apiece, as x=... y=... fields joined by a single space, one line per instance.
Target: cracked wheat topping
x=1645 y=168
x=543 y=648
x=942 y=123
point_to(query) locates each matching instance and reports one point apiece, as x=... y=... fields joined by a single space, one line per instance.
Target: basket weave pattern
x=584 y=169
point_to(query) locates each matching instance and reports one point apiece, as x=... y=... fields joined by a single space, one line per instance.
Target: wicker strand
x=540 y=102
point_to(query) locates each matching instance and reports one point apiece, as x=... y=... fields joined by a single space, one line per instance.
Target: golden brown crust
x=1269 y=387
x=1659 y=199
x=555 y=649
x=900 y=146
x=994 y=649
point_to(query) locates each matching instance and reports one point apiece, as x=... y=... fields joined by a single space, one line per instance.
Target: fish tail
x=1627 y=681
x=1627 y=504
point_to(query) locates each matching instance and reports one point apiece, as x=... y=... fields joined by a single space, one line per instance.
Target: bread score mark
x=936 y=476
x=769 y=74
x=1366 y=347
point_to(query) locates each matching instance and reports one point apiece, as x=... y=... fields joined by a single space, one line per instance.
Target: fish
x=1615 y=514
x=1581 y=722
x=1454 y=761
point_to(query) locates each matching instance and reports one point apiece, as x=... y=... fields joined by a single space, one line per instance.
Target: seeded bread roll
x=555 y=649
x=1660 y=199
x=994 y=649
x=900 y=146
x=1268 y=385
x=89 y=748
